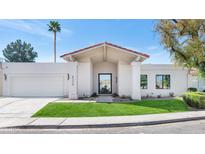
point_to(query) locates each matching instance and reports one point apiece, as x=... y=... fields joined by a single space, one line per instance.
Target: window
x=143 y=81
x=162 y=81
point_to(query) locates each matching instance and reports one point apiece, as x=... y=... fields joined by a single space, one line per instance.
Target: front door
x=105 y=83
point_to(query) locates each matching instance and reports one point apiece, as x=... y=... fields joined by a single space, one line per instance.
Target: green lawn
x=111 y=109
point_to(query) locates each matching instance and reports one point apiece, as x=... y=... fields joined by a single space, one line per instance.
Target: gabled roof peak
x=109 y=44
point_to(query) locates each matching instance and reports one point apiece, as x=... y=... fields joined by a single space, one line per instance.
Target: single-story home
x=104 y=69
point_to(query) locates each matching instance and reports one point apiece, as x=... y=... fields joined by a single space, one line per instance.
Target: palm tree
x=54 y=27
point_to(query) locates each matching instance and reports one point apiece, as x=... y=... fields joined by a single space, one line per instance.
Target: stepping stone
x=104 y=99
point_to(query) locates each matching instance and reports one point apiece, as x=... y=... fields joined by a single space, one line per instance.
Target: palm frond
x=54 y=26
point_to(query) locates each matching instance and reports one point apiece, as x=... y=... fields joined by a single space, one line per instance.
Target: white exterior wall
x=85 y=82
x=178 y=79
x=91 y=79
x=104 y=67
x=201 y=84
x=124 y=79
x=196 y=82
x=39 y=72
x=193 y=81
x=84 y=78
x=136 y=69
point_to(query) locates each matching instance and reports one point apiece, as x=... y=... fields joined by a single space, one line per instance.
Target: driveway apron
x=22 y=107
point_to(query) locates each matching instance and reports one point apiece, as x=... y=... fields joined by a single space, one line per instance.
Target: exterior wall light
x=5 y=77
x=68 y=76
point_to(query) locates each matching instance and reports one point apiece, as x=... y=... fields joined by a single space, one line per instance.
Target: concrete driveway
x=11 y=107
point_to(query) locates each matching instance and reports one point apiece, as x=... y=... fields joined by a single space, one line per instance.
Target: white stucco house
x=104 y=69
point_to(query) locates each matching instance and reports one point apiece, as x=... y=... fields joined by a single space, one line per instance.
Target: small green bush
x=171 y=94
x=192 y=89
x=195 y=99
x=94 y=95
x=115 y=95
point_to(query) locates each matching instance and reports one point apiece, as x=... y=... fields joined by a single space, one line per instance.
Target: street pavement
x=189 y=127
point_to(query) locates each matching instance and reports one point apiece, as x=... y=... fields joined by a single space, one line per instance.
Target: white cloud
x=65 y=30
x=152 y=48
x=34 y=27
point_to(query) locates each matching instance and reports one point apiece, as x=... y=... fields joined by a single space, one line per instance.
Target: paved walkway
x=188 y=127
x=95 y=122
x=14 y=107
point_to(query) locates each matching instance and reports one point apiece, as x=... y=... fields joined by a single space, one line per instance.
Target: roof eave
x=109 y=44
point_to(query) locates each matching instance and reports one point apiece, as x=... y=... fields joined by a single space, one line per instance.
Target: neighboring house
x=103 y=69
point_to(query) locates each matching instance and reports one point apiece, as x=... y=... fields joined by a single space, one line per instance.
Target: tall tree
x=19 y=51
x=54 y=27
x=185 y=41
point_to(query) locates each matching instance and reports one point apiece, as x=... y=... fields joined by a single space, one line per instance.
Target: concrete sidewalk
x=95 y=122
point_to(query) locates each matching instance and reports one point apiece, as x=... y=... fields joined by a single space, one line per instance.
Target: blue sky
x=138 y=35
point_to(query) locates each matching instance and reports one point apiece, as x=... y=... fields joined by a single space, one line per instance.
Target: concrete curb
x=107 y=125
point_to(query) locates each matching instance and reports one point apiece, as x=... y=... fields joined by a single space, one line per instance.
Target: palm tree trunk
x=54 y=47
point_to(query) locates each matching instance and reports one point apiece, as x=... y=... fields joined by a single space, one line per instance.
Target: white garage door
x=37 y=85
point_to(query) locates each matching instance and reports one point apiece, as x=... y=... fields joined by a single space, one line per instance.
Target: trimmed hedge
x=195 y=99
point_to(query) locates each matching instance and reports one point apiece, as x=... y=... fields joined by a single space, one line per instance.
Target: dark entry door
x=105 y=83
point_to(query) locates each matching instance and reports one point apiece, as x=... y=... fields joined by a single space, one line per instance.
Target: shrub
x=200 y=92
x=115 y=95
x=192 y=89
x=171 y=94
x=94 y=95
x=195 y=99
x=159 y=96
x=125 y=97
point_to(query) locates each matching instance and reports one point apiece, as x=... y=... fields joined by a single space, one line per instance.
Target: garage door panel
x=37 y=85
